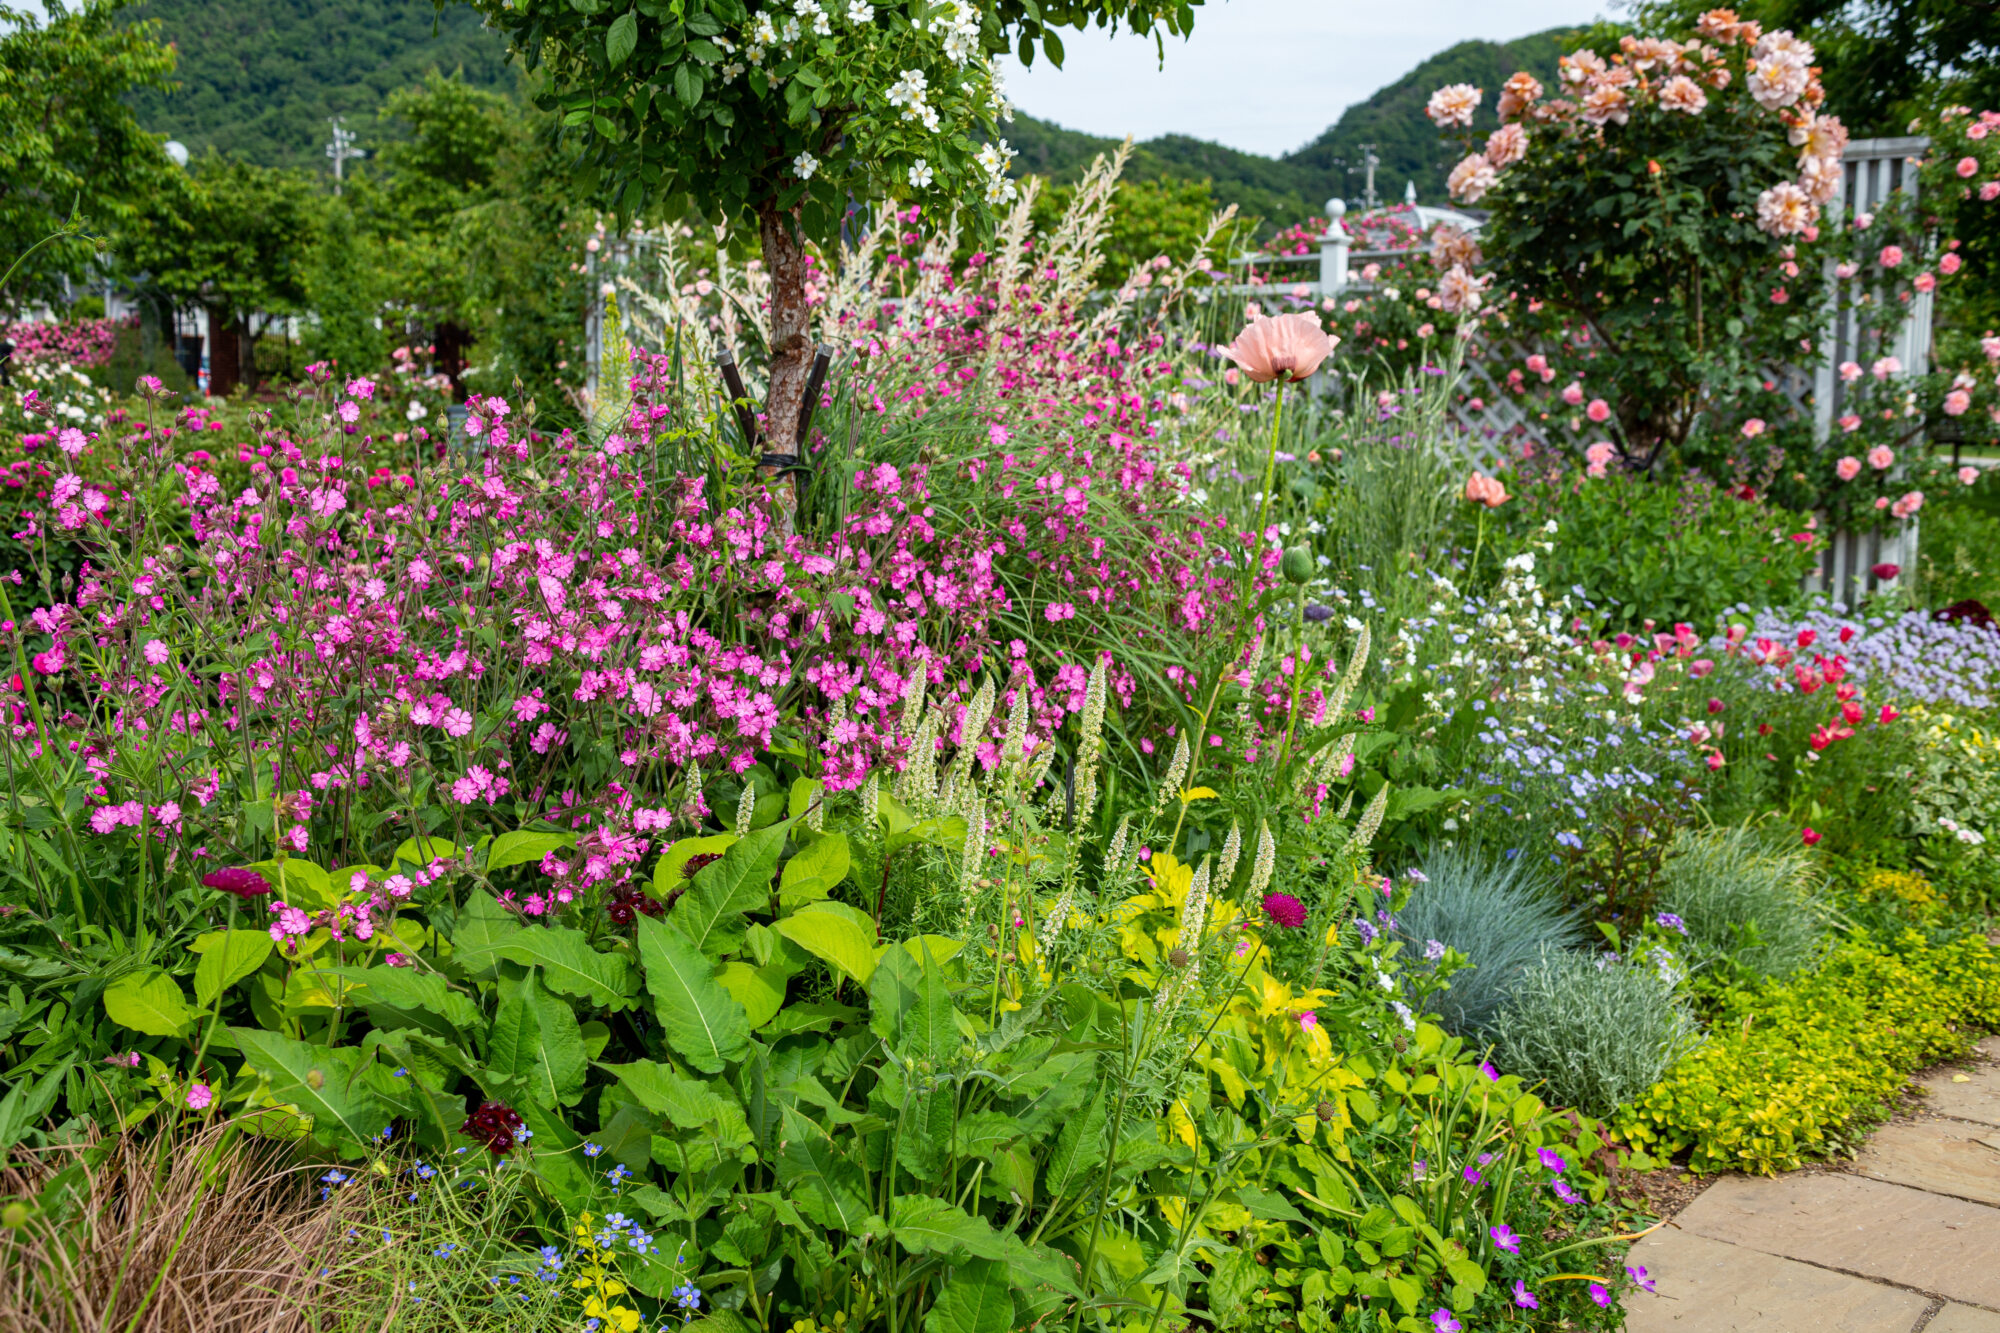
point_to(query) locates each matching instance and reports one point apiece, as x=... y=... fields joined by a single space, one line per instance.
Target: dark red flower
x=695 y=863
x=632 y=901
x=243 y=883
x=1285 y=910
x=493 y=1124
x=1885 y=570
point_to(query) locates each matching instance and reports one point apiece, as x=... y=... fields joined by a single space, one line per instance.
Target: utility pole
x=1368 y=200
x=341 y=150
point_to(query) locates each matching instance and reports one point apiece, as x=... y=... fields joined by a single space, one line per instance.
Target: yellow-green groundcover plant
x=1788 y=1068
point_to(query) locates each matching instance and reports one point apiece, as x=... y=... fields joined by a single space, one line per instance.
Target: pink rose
x=1950 y=264
x=1925 y=282
x=1968 y=166
x=1880 y=457
x=1599 y=410
x=1573 y=394
x=1850 y=423
x=1968 y=476
x=1847 y=469
x=1891 y=256
x=1753 y=428
x=1989 y=191
x=1956 y=402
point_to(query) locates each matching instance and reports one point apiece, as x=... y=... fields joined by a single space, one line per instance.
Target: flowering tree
x=1640 y=210
x=785 y=114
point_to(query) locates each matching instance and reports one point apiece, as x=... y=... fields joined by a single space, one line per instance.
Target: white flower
x=1000 y=190
x=908 y=90
x=761 y=31
x=1453 y=104
x=860 y=11
x=805 y=164
x=920 y=175
x=415 y=411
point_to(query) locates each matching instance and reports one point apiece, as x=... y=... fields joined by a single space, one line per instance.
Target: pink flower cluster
x=80 y=343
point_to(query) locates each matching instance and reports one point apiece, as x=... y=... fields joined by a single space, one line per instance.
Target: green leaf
x=569 y=965
x=760 y=990
x=422 y=851
x=300 y=882
x=688 y=1103
x=403 y=988
x=701 y=1019
x=687 y=84
x=524 y=845
x=1078 y=1149
x=536 y=1044
x=482 y=923
x=151 y=1002
x=321 y=1082
x=975 y=1299
x=930 y=1026
x=812 y=874
x=827 y=1186
x=926 y=1224
x=836 y=933
x=667 y=874
x=227 y=956
x=1270 y=1207
x=723 y=890
x=621 y=38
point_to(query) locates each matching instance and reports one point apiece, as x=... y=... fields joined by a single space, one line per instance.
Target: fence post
x=1333 y=248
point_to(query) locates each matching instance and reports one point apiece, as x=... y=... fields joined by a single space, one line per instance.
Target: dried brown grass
x=209 y=1232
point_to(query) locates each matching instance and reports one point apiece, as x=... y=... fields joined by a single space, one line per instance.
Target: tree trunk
x=224 y=353
x=791 y=326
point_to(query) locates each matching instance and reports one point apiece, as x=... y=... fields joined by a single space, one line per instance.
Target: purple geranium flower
x=1525 y=1298
x=1565 y=1193
x=1639 y=1276
x=1553 y=1160
x=1600 y=1295
x=1505 y=1237
x=1444 y=1322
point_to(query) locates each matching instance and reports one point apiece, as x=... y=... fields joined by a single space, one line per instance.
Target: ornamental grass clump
x=1502 y=916
x=1742 y=901
x=1597 y=1031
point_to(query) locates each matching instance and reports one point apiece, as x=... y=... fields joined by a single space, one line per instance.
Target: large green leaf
x=227 y=956
x=930 y=1027
x=723 y=890
x=826 y=1185
x=976 y=1299
x=405 y=988
x=322 y=1082
x=482 y=925
x=835 y=932
x=524 y=845
x=760 y=990
x=1079 y=1148
x=812 y=874
x=701 y=1019
x=926 y=1224
x=621 y=38
x=569 y=965
x=688 y=1103
x=536 y=1044
x=300 y=882
x=151 y=1002
x=668 y=876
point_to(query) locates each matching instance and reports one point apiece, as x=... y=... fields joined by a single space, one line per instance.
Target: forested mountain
x=260 y=78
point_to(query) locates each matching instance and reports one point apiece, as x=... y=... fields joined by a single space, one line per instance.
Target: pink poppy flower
x=1287 y=348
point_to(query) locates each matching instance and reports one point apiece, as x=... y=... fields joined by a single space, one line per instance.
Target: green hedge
x=1787 y=1067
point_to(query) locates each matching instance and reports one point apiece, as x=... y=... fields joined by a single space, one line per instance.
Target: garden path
x=1905 y=1239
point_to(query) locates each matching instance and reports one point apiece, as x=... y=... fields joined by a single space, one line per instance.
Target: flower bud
x=1297 y=565
x=1325 y=1111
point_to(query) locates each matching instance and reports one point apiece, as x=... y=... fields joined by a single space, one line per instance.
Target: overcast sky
x=1265 y=75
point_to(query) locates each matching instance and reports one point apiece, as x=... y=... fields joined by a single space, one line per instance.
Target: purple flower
x=1486 y=1068
x=1504 y=1237
x=1565 y=1193
x=1639 y=1276
x=243 y=883
x=1471 y=1175
x=1525 y=1298
x=1443 y=1322
x=1600 y=1295
x=1668 y=921
x=1552 y=1159
x=1285 y=910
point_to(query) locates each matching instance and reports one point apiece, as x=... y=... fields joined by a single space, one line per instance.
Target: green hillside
x=1297 y=185
x=259 y=78
x=1408 y=145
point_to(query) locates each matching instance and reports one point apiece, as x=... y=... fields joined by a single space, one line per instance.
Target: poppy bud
x=1297 y=565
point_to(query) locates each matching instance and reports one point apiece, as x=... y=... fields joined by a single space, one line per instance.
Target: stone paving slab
x=1978 y=1098
x=1707 y=1286
x=1865 y=1227
x=1963 y=1319
x=1942 y=1156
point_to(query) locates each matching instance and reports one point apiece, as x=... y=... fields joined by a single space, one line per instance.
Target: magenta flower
x=1638 y=1276
x=1505 y=1237
x=1285 y=910
x=1486 y=1068
x=199 y=1096
x=1444 y=1322
x=234 y=879
x=1525 y=1298
x=1600 y=1295
x=1552 y=1159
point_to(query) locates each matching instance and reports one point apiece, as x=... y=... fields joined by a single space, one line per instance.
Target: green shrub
x=1791 y=1066
x=1746 y=906
x=1597 y=1032
x=1641 y=550
x=1501 y=917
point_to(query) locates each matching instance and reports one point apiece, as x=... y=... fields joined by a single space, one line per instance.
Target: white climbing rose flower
x=920 y=175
